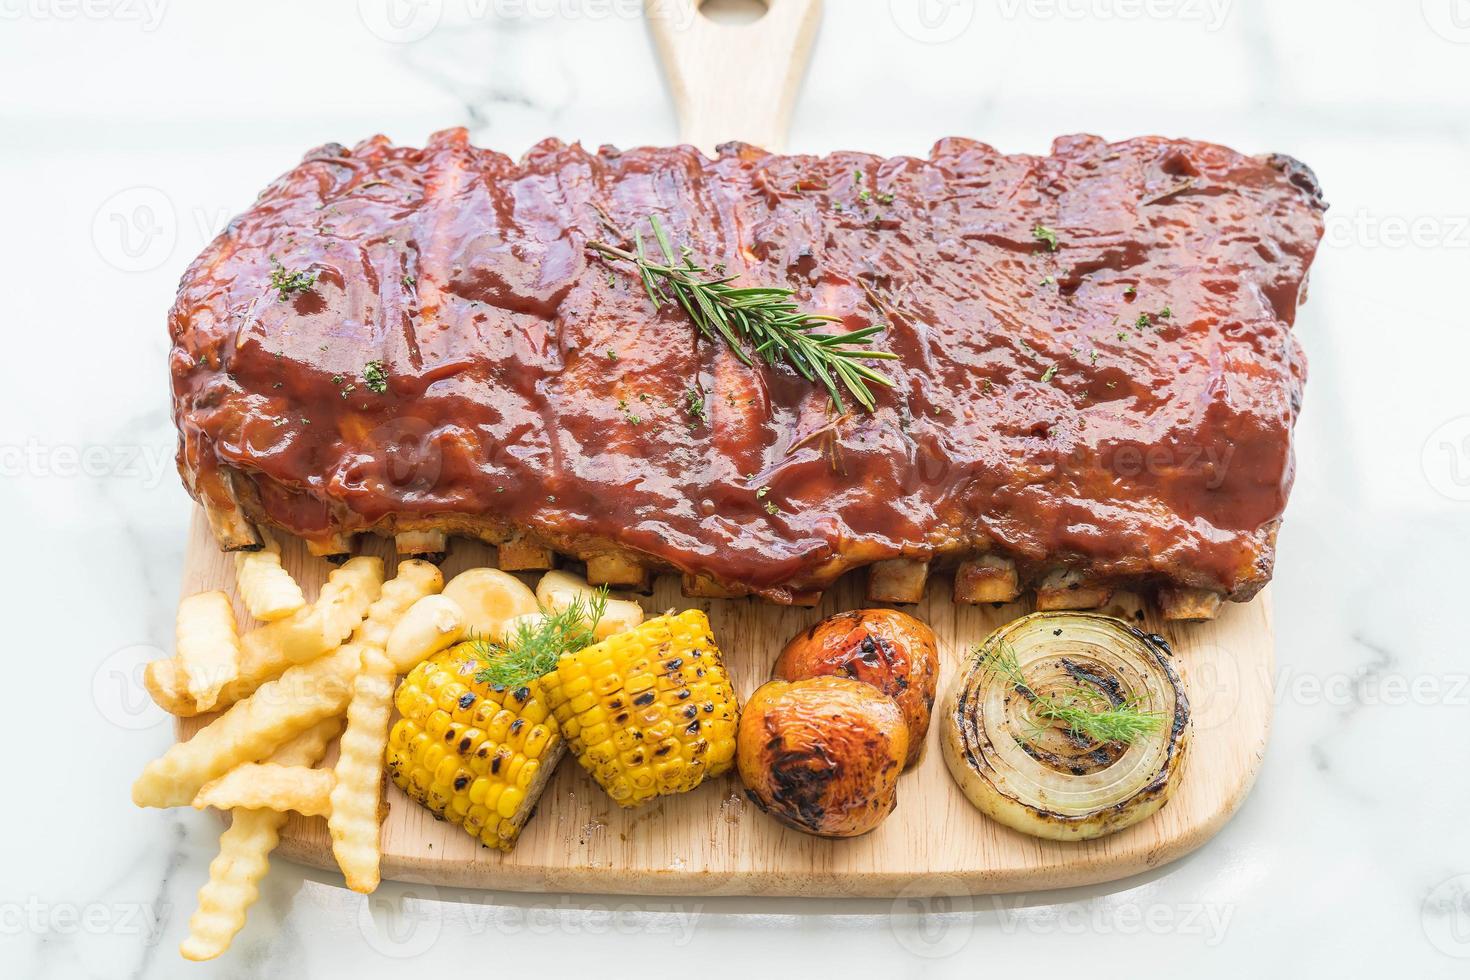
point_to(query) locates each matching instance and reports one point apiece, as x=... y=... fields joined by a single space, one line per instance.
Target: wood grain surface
x=713 y=842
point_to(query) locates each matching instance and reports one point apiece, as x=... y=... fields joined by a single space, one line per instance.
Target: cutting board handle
x=734 y=82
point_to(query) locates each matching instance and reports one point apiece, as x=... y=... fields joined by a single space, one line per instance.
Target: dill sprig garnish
x=534 y=648
x=763 y=316
x=1085 y=713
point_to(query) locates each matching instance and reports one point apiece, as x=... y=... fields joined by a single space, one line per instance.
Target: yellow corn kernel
x=647 y=712
x=472 y=754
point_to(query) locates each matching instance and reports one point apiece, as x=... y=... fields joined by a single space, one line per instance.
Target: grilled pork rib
x=1096 y=384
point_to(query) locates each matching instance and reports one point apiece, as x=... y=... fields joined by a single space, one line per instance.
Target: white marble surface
x=131 y=129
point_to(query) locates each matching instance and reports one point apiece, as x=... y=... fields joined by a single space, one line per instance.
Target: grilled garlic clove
x=558 y=590
x=1067 y=726
x=490 y=597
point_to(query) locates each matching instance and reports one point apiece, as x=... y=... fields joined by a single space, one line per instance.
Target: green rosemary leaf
x=765 y=320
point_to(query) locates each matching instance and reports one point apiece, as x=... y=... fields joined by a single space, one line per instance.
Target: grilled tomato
x=823 y=754
x=884 y=648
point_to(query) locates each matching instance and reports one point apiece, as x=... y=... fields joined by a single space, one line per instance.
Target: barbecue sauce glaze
x=1122 y=402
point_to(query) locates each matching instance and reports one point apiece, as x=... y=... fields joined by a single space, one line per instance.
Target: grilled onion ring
x=1039 y=777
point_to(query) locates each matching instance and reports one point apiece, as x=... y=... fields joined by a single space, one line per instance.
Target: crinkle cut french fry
x=269 y=786
x=432 y=624
x=347 y=596
x=413 y=580
x=267 y=589
x=354 y=818
x=207 y=645
x=299 y=698
x=244 y=848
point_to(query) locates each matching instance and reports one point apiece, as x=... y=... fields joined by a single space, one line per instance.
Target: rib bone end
x=1069 y=589
x=618 y=569
x=1189 y=605
x=522 y=553
x=334 y=546
x=703 y=587
x=989 y=578
x=431 y=546
x=900 y=580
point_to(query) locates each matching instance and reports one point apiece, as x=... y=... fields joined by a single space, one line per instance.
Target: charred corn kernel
x=648 y=712
x=472 y=754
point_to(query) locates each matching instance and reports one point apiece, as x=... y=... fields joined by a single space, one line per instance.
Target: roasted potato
x=822 y=755
x=890 y=650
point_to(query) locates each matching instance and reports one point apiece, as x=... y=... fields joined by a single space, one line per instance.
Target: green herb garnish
x=1044 y=234
x=763 y=317
x=285 y=282
x=534 y=648
x=375 y=377
x=1051 y=372
x=694 y=399
x=1085 y=713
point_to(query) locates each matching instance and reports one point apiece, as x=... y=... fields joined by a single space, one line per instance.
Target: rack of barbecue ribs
x=1094 y=388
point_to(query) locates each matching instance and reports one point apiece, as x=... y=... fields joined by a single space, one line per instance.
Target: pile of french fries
x=285 y=690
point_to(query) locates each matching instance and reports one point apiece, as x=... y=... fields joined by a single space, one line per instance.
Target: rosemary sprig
x=764 y=317
x=1086 y=714
x=533 y=650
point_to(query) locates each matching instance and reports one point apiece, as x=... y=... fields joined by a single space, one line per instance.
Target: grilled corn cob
x=474 y=754
x=647 y=712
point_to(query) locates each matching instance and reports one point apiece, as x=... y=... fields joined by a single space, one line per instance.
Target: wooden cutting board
x=740 y=82
x=712 y=842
